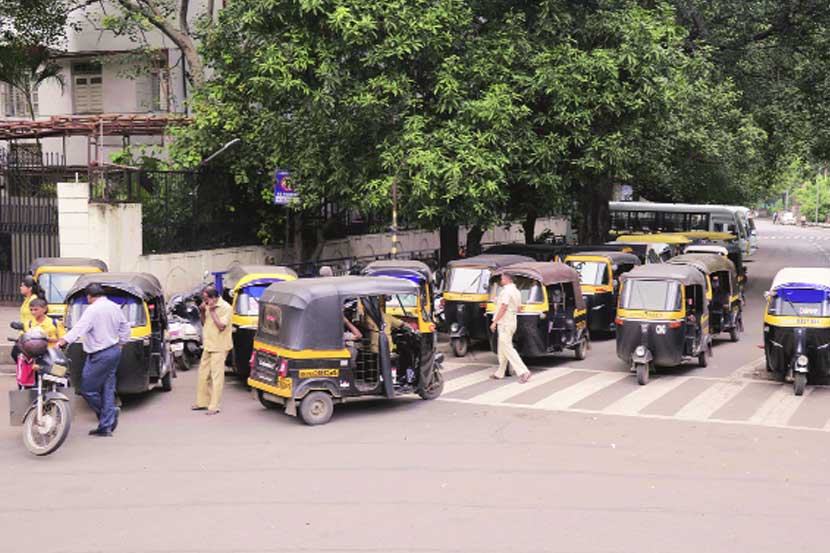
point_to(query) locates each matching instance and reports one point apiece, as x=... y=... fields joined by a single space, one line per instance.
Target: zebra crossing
x=812 y=237
x=732 y=400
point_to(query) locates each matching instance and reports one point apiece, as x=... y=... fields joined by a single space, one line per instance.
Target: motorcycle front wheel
x=45 y=436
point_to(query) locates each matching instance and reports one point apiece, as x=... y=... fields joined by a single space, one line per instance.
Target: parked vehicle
x=56 y=275
x=787 y=218
x=662 y=319
x=599 y=274
x=722 y=291
x=539 y=252
x=184 y=329
x=300 y=360
x=726 y=241
x=245 y=284
x=797 y=325
x=666 y=245
x=417 y=309
x=146 y=361
x=465 y=297
x=552 y=317
x=44 y=410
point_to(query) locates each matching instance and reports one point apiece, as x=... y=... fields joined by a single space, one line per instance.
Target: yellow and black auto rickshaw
x=599 y=275
x=465 y=297
x=552 y=317
x=416 y=309
x=245 y=284
x=797 y=325
x=725 y=303
x=146 y=361
x=665 y=245
x=662 y=318
x=302 y=357
x=56 y=275
x=715 y=241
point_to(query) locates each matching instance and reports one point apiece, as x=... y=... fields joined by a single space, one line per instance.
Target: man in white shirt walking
x=507 y=305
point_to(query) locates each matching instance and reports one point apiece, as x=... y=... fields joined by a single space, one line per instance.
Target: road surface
x=581 y=459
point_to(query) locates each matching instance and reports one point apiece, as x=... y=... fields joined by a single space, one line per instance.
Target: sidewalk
x=8 y=313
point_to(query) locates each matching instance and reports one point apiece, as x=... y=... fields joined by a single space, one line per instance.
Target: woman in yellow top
x=27 y=290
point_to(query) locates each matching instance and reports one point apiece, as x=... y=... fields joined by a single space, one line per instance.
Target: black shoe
x=115 y=422
x=102 y=432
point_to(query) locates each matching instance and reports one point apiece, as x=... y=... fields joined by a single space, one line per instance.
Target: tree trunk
x=474 y=235
x=593 y=213
x=449 y=243
x=529 y=226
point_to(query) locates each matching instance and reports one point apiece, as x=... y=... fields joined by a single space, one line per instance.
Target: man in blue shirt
x=105 y=331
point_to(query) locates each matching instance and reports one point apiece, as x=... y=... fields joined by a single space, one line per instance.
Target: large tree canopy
x=479 y=110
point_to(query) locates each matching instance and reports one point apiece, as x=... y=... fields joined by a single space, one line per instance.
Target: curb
x=7 y=369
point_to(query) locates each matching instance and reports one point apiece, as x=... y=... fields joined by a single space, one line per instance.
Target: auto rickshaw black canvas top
x=547 y=273
x=491 y=261
x=384 y=266
x=615 y=257
x=683 y=274
x=140 y=285
x=311 y=309
x=708 y=263
x=67 y=262
x=539 y=252
x=237 y=272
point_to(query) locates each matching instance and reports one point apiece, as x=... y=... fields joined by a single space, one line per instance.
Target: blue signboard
x=283 y=190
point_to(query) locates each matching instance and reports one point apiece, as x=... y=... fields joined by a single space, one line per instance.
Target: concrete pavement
x=490 y=467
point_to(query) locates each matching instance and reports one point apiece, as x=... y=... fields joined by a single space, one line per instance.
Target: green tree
x=26 y=67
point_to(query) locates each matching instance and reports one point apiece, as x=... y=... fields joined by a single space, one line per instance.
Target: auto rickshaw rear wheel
x=581 y=351
x=167 y=381
x=799 y=383
x=702 y=361
x=642 y=370
x=316 y=408
x=268 y=404
x=435 y=389
x=459 y=346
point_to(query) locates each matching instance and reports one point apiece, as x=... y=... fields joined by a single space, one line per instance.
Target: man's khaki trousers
x=211 y=379
x=508 y=354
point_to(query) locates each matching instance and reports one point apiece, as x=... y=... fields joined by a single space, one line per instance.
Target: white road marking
x=514 y=388
x=642 y=396
x=779 y=407
x=579 y=391
x=713 y=398
x=467 y=380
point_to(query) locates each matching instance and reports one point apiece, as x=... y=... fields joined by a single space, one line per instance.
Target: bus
x=648 y=217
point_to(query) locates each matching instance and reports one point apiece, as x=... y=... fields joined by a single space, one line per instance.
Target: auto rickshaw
x=465 y=297
x=599 y=274
x=662 y=318
x=539 y=252
x=552 y=317
x=724 y=240
x=797 y=325
x=245 y=285
x=146 y=360
x=416 y=309
x=725 y=303
x=56 y=275
x=301 y=360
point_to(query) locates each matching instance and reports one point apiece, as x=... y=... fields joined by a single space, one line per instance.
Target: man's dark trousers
x=98 y=384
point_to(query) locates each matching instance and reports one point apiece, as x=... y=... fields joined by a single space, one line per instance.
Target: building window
x=14 y=101
x=87 y=87
x=151 y=89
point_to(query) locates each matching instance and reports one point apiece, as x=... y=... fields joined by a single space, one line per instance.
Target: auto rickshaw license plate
x=284 y=386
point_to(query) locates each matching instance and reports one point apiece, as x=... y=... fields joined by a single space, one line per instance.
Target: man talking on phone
x=216 y=343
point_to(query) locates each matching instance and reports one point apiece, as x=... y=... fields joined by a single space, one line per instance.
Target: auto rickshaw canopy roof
x=490 y=261
x=683 y=274
x=706 y=262
x=398 y=267
x=547 y=273
x=43 y=262
x=539 y=252
x=653 y=239
x=242 y=274
x=141 y=285
x=802 y=277
x=707 y=248
x=707 y=234
x=615 y=257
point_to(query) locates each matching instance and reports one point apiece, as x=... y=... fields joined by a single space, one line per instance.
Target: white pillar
x=73 y=219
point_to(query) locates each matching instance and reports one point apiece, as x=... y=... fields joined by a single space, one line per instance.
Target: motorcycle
x=41 y=406
x=184 y=331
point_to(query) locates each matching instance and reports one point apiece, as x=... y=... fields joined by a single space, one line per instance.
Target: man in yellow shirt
x=27 y=290
x=216 y=343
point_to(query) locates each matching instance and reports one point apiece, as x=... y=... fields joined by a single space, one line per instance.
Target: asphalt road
x=578 y=460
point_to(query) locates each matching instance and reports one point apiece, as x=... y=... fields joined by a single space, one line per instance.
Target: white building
x=105 y=74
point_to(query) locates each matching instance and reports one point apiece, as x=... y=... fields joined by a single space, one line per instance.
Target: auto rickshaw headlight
x=640 y=351
x=801 y=361
x=454 y=327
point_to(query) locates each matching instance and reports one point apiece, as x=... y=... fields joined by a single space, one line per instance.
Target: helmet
x=34 y=342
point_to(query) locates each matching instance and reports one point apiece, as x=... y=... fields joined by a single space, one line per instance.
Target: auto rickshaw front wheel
x=702 y=361
x=581 y=351
x=435 y=388
x=316 y=408
x=642 y=370
x=799 y=383
x=459 y=346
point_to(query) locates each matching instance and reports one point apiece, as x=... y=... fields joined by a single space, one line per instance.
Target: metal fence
x=185 y=210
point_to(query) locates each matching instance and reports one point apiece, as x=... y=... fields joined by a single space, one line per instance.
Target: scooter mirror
x=17 y=325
